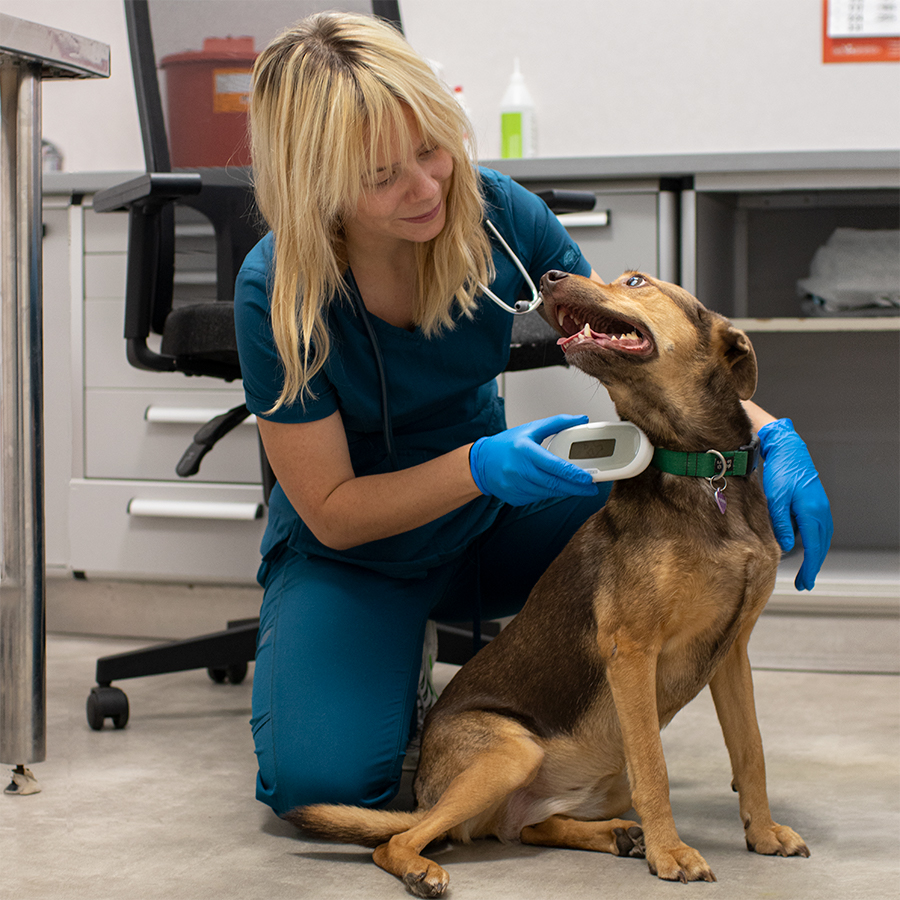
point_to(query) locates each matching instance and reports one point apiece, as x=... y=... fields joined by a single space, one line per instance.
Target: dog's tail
x=352 y=824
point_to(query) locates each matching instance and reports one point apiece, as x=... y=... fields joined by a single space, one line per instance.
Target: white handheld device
x=609 y=451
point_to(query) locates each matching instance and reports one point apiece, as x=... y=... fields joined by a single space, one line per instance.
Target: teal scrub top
x=442 y=389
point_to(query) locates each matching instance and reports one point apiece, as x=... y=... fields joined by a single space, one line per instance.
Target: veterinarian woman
x=370 y=279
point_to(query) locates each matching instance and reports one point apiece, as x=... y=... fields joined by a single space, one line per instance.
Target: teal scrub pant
x=340 y=650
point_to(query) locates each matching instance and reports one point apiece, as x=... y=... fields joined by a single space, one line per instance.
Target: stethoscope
x=521 y=308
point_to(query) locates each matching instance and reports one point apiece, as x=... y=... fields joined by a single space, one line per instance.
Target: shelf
x=817 y=324
x=852 y=582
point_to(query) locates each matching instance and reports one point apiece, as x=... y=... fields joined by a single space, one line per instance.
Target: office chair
x=198 y=339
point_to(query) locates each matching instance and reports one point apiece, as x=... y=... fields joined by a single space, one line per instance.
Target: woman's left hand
x=792 y=487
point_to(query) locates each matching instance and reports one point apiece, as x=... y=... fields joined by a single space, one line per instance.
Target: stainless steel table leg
x=28 y=53
x=22 y=590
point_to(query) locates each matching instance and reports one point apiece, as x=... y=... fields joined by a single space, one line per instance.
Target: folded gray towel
x=856 y=272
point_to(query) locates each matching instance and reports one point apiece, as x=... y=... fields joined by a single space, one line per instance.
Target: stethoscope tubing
x=387 y=425
x=522 y=307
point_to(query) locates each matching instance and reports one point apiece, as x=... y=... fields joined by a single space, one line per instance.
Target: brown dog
x=553 y=730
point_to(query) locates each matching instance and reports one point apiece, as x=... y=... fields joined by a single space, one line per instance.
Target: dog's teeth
x=561 y=317
x=587 y=330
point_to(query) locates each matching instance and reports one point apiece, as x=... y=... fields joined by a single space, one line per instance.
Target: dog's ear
x=737 y=352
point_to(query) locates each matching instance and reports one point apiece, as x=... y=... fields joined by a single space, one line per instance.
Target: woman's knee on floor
x=348 y=775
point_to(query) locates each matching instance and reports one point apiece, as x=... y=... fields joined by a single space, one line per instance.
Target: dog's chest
x=683 y=588
x=663 y=548
x=683 y=670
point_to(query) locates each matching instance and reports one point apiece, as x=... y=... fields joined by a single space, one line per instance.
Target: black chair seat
x=201 y=337
x=533 y=344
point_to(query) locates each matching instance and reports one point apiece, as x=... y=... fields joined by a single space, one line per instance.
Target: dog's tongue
x=588 y=335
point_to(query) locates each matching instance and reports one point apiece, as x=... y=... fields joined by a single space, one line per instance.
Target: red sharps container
x=207 y=95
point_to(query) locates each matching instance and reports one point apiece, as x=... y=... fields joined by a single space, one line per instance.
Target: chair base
x=225 y=655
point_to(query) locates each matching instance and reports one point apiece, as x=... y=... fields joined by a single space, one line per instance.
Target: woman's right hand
x=514 y=467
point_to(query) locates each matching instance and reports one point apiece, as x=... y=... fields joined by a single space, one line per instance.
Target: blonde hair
x=328 y=94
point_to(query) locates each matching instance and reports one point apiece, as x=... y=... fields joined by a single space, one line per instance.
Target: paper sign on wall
x=861 y=31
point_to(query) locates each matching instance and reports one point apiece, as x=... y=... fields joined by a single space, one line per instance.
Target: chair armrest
x=563 y=201
x=153 y=189
x=207 y=437
x=151 y=255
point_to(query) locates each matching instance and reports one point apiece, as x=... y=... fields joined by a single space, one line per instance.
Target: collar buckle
x=753 y=455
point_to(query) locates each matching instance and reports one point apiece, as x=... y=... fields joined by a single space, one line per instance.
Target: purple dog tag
x=720 y=501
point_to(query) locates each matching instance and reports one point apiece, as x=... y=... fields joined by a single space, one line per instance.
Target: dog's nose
x=550 y=279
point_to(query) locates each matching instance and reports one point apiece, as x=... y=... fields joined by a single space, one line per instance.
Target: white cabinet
x=128 y=428
x=115 y=506
x=737 y=230
x=110 y=537
x=60 y=391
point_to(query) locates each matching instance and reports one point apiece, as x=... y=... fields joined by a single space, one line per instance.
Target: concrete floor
x=165 y=807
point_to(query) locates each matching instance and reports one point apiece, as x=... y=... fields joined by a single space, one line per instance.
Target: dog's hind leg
x=631 y=673
x=617 y=836
x=732 y=691
x=510 y=762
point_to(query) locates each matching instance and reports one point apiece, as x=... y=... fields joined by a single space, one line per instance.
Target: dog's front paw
x=679 y=863
x=776 y=840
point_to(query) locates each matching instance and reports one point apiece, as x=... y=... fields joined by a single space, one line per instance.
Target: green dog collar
x=711 y=464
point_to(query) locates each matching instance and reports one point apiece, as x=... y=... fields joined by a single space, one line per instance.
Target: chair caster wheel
x=107 y=703
x=235 y=673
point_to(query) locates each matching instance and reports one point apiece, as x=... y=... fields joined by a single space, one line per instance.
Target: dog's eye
x=635 y=281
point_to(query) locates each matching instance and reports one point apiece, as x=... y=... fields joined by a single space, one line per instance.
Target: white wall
x=94 y=122
x=609 y=77
x=618 y=77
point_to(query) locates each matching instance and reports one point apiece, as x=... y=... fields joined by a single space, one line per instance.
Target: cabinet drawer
x=628 y=240
x=143 y=434
x=627 y=229
x=105 y=232
x=176 y=541
x=104 y=275
x=536 y=393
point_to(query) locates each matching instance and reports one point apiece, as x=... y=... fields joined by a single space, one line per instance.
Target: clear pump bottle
x=517 y=126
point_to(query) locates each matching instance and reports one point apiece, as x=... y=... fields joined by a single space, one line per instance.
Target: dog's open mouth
x=601 y=332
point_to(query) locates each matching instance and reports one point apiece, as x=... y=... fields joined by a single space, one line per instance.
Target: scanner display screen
x=601 y=449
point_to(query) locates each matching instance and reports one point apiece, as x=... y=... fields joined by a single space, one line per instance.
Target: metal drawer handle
x=599 y=219
x=186 y=415
x=194 y=509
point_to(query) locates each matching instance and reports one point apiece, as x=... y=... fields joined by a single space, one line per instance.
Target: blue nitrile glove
x=791 y=484
x=514 y=467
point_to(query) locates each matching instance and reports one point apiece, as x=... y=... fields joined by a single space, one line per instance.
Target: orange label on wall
x=861 y=31
x=231 y=90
